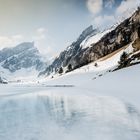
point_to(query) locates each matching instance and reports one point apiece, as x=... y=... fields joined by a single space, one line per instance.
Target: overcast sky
x=54 y=24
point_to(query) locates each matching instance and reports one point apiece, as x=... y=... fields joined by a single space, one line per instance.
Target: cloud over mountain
x=95 y=6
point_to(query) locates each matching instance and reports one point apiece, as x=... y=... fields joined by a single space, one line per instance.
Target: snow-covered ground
x=103 y=108
x=29 y=74
x=88 y=103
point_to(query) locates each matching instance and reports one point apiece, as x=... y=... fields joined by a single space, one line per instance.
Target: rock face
x=125 y=33
x=24 y=55
x=122 y=35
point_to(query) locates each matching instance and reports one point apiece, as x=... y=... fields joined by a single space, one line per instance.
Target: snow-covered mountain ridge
x=98 y=45
x=21 y=61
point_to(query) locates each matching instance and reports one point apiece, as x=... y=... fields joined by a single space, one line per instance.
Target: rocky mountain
x=93 y=45
x=23 y=56
x=71 y=51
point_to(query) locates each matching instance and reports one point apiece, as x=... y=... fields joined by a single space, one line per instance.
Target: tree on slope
x=69 y=67
x=60 y=70
x=124 y=61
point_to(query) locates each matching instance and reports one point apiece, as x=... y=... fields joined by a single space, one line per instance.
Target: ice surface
x=51 y=115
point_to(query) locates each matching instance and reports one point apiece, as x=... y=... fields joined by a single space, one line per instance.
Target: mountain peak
x=24 y=55
x=25 y=46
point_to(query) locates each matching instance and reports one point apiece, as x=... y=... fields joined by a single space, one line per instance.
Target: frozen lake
x=45 y=115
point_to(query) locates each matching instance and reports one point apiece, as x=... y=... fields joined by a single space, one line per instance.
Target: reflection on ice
x=53 y=116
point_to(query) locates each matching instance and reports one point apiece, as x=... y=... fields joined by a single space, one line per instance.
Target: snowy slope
x=22 y=75
x=90 y=40
x=106 y=108
x=104 y=65
x=123 y=84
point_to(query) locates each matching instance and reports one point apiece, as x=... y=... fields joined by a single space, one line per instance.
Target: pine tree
x=60 y=70
x=96 y=65
x=69 y=67
x=123 y=60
